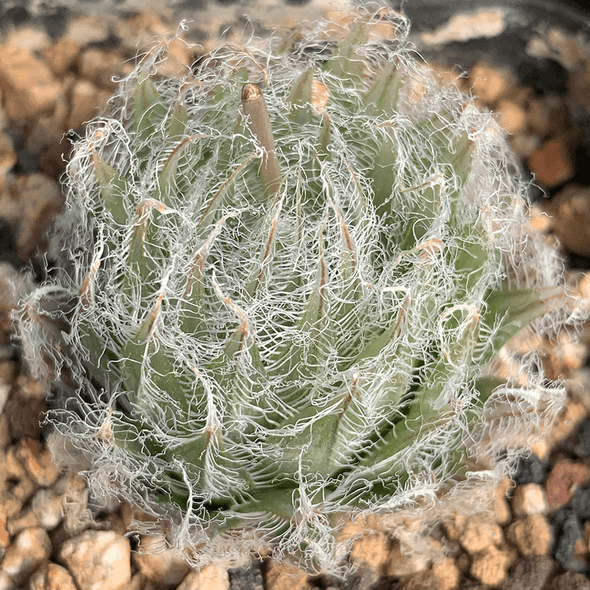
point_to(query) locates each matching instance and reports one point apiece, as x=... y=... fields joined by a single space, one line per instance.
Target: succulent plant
x=279 y=285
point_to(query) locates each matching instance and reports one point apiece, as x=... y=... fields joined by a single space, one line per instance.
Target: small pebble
x=98 y=560
x=531 y=470
x=532 y=535
x=162 y=568
x=52 y=577
x=570 y=581
x=491 y=567
x=529 y=499
x=563 y=481
x=565 y=551
x=248 y=578
x=211 y=577
x=480 y=535
x=28 y=551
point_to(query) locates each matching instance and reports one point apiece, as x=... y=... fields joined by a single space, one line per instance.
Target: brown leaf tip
x=250 y=93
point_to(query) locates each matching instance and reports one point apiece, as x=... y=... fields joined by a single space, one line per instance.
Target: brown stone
x=445 y=575
x=98 y=560
x=480 y=534
x=28 y=85
x=211 y=577
x=570 y=209
x=563 y=481
x=570 y=581
x=165 y=568
x=553 y=162
x=84 y=103
x=512 y=116
x=62 y=55
x=37 y=461
x=491 y=567
x=532 y=535
x=40 y=200
x=52 y=577
x=285 y=577
x=27 y=552
x=100 y=66
x=547 y=115
x=489 y=83
x=579 y=82
x=7 y=155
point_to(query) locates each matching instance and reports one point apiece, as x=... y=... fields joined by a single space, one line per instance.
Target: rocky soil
x=53 y=537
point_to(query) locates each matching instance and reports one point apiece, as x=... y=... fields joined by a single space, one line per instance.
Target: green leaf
x=345 y=63
x=276 y=501
x=511 y=310
x=113 y=188
x=383 y=175
x=382 y=97
x=177 y=123
x=148 y=110
x=300 y=98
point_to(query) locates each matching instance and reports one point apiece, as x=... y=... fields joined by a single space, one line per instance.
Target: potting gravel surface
x=57 y=62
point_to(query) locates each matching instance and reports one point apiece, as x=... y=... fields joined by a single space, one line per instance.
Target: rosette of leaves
x=280 y=279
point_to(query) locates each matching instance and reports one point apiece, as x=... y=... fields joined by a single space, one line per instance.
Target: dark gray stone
x=530 y=573
x=248 y=578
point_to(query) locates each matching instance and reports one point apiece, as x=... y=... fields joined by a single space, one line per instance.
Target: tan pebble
x=553 y=162
x=83 y=100
x=563 y=481
x=489 y=83
x=512 y=116
x=22 y=520
x=37 y=461
x=162 y=568
x=529 y=499
x=491 y=567
x=52 y=577
x=28 y=85
x=30 y=38
x=373 y=550
x=41 y=200
x=480 y=535
x=567 y=421
x=284 y=577
x=403 y=562
x=7 y=155
x=28 y=551
x=4 y=536
x=97 y=560
x=211 y=577
x=62 y=55
x=542 y=448
x=531 y=535
x=87 y=29
x=48 y=130
x=454 y=528
x=5 y=582
x=46 y=505
x=570 y=209
x=446 y=574
x=539 y=219
x=501 y=507
x=99 y=67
